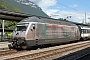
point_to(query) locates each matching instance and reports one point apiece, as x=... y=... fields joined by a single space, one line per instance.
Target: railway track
x=10 y=52
x=7 y=52
x=48 y=53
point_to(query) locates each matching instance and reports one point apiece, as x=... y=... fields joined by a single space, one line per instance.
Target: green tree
x=5 y=6
x=16 y=10
x=63 y=19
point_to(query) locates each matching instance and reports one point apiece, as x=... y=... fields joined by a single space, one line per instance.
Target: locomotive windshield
x=21 y=27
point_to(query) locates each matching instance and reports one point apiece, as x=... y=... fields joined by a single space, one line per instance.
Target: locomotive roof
x=32 y=19
x=40 y=19
x=57 y=21
x=46 y=20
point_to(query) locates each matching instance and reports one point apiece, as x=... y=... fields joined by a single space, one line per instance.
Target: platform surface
x=4 y=45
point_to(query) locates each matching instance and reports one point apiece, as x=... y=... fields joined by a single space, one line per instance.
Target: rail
x=50 y=53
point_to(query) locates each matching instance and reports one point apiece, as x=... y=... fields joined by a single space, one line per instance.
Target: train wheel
x=81 y=39
x=24 y=47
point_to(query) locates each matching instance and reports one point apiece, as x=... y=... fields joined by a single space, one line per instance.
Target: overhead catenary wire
x=67 y=6
x=70 y=7
x=84 y=4
x=85 y=13
x=74 y=8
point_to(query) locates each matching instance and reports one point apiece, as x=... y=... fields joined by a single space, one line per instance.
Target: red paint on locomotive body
x=54 y=27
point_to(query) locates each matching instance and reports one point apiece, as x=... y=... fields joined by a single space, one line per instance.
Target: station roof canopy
x=14 y=16
x=6 y=30
x=9 y=15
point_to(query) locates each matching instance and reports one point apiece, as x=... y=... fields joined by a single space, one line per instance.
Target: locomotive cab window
x=21 y=27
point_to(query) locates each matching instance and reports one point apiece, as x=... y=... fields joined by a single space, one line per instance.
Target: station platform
x=4 y=45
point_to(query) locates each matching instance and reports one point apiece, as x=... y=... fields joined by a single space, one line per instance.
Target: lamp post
x=3 y=30
x=89 y=19
x=85 y=17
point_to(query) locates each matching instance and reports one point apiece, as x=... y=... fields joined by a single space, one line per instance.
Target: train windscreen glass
x=21 y=27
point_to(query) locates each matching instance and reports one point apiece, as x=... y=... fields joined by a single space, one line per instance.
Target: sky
x=79 y=10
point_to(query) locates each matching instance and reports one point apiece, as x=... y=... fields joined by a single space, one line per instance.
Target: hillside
x=25 y=6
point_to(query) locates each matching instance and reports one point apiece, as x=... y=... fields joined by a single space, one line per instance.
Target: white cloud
x=47 y=3
x=73 y=6
x=51 y=12
x=77 y=16
x=44 y=3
